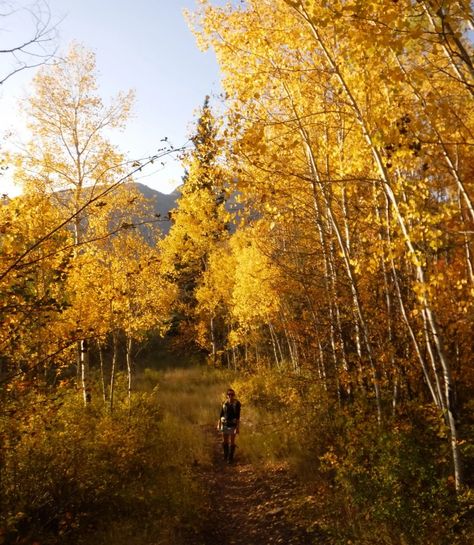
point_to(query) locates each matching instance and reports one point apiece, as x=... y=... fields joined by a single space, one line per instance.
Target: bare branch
x=34 y=37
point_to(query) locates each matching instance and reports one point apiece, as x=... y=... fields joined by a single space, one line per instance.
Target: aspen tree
x=427 y=309
x=342 y=82
x=143 y=298
x=33 y=296
x=69 y=157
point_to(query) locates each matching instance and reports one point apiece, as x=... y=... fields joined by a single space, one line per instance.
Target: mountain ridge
x=162 y=203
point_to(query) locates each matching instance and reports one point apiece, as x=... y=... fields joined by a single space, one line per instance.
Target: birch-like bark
x=411 y=332
x=349 y=269
x=234 y=357
x=426 y=308
x=316 y=184
x=213 y=341
x=84 y=359
x=322 y=366
x=329 y=282
x=129 y=360
x=100 y=348
x=388 y=300
x=113 y=370
x=274 y=345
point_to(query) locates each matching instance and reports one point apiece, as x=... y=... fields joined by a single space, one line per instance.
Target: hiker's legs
x=225 y=445
x=230 y=458
x=231 y=453
x=228 y=444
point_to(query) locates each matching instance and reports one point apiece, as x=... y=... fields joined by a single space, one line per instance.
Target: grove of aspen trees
x=322 y=249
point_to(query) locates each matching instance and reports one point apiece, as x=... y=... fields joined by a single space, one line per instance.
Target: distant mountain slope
x=162 y=203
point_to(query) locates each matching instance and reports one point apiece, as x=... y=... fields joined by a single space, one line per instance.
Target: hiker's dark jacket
x=230 y=413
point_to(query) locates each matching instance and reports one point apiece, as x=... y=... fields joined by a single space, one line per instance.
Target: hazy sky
x=141 y=44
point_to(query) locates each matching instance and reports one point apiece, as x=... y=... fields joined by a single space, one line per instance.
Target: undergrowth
x=71 y=474
x=375 y=484
x=76 y=475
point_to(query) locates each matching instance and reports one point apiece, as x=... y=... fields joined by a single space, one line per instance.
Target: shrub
x=376 y=483
x=68 y=470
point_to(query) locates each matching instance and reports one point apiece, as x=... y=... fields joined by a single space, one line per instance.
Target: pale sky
x=143 y=45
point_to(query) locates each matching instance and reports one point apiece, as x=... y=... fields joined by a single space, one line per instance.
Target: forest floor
x=254 y=505
x=254 y=501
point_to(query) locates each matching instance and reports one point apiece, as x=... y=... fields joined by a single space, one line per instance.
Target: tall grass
x=79 y=475
x=187 y=399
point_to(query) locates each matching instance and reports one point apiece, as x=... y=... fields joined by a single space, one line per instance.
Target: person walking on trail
x=229 y=424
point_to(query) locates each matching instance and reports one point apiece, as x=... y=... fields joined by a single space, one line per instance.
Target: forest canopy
x=321 y=248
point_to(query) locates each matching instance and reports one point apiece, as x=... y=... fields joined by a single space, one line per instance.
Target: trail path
x=252 y=506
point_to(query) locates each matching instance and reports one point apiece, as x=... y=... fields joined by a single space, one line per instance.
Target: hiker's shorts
x=228 y=430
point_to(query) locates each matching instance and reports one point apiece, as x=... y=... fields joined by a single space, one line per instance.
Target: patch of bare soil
x=254 y=505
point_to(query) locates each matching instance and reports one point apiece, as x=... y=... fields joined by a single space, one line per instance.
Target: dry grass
x=188 y=400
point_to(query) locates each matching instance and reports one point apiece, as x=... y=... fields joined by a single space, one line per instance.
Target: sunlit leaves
x=350 y=130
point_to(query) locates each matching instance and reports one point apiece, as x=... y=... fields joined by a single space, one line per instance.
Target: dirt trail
x=252 y=506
